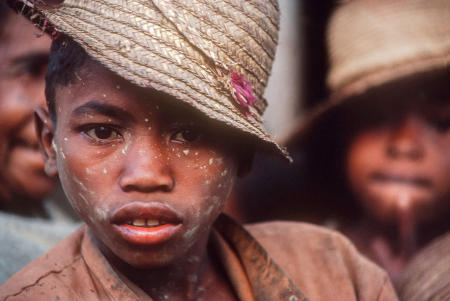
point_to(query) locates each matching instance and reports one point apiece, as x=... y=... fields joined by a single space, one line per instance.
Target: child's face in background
x=147 y=176
x=402 y=164
x=23 y=61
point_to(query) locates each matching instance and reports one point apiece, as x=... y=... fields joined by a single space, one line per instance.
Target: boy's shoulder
x=303 y=240
x=48 y=272
x=295 y=234
x=322 y=261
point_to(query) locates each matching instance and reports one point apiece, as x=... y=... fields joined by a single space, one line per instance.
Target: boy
x=150 y=122
x=386 y=182
x=393 y=87
x=30 y=221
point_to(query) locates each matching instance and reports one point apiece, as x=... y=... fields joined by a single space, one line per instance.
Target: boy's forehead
x=96 y=88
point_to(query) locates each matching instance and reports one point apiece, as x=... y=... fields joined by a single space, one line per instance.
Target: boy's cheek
x=217 y=190
x=78 y=176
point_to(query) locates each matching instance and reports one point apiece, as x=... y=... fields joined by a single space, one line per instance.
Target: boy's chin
x=388 y=211
x=151 y=260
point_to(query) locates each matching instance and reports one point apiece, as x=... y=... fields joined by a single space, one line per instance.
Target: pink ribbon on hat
x=243 y=92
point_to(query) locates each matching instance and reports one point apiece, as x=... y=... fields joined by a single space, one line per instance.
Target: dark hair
x=66 y=58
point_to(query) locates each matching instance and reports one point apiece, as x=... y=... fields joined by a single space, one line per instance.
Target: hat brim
x=308 y=125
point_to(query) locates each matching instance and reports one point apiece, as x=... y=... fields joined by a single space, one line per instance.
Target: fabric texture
x=23 y=239
x=427 y=277
x=271 y=261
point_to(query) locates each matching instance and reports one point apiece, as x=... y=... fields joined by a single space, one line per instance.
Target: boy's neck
x=406 y=236
x=192 y=278
x=394 y=245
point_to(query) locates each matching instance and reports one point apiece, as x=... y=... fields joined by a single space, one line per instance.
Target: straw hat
x=371 y=42
x=215 y=55
x=375 y=42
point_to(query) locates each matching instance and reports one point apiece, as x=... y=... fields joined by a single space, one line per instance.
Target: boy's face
x=403 y=164
x=147 y=175
x=23 y=61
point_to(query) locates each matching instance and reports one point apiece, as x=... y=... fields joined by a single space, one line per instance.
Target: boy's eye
x=102 y=133
x=186 y=135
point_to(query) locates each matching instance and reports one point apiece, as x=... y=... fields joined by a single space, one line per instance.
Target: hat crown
x=373 y=41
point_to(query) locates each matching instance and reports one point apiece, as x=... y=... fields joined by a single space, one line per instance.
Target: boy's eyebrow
x=101 y=108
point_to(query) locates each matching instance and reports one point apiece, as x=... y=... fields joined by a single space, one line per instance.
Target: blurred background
x=297 y=82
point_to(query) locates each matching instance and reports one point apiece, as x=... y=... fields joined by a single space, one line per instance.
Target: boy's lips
x=146 y=223
x=401 y=179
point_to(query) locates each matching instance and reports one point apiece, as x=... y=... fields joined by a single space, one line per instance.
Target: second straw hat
x=371 y=42
x=374 y=42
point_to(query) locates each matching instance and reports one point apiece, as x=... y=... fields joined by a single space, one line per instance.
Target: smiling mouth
x=146 y=223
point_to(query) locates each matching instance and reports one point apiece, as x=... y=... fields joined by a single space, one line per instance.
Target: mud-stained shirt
x=268 y=261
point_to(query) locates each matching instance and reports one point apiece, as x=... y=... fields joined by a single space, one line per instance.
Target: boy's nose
x=406 y=140
x=146 y=169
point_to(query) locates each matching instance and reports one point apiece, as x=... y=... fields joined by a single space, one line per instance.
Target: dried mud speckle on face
x=55 y=148
x=81 y=184
x=101 y=213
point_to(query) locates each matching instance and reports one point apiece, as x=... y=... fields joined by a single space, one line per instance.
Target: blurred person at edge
x=374 y=160
x=28 y=225
x=383 y=138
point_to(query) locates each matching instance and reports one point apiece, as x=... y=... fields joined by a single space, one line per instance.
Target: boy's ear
x=245 y=164
x=45 y=130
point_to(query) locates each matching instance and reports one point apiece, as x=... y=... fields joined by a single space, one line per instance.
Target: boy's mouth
x=399 y=179
x=146 y=223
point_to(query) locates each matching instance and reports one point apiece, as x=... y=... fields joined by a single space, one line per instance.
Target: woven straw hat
x=375 y=42
x=371 y=42
x=215 y=55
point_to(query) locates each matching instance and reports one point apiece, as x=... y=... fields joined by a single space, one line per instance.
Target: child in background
x=31 y=221
x=154 y=111
x=379 y=150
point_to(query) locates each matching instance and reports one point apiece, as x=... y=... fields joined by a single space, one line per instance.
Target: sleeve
x=369 y=280
x=387 y=292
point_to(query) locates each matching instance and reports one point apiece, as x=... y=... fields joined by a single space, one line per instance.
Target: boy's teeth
x=139 y=222
x=152 y=222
